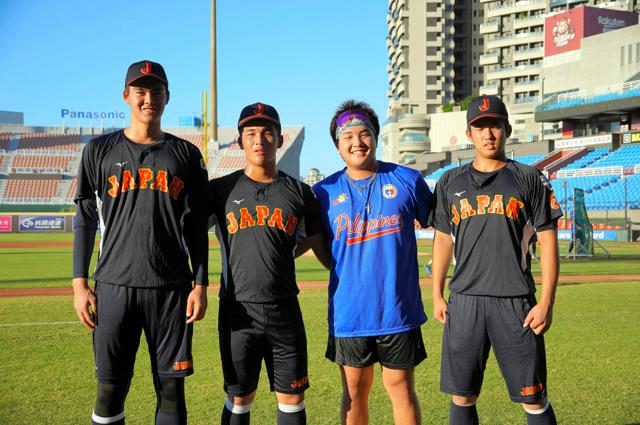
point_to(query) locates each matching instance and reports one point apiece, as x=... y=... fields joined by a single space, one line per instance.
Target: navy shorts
x=251 y=332
x=395 y=351
x=123 y=313
x=477 y=323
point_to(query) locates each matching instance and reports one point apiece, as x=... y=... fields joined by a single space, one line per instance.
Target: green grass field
x=46 y=373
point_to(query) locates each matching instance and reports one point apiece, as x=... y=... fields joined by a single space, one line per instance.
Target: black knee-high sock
x=292 y=418
x=548 y=417
x=171 y=408
x=463 y=415
x=110 y=401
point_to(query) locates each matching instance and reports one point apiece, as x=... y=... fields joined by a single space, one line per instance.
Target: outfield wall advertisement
x=5 y=223
x=41 y=223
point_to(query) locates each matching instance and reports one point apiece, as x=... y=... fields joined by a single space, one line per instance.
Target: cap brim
x=157 y=77
x=477 y=117
x=245 y=120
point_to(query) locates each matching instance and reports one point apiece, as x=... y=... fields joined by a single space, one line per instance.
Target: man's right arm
x=84 y=234
x=441 y=258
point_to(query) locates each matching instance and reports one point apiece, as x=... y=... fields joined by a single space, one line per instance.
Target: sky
x=303 y=57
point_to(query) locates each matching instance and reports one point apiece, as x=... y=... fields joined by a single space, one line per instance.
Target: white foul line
x=11 y=325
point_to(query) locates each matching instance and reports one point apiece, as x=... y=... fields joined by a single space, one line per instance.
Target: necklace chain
x=366 y=186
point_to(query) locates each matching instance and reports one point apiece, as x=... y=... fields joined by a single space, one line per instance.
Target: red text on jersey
x=485 y=205
x=146 y=179
x=263 y=217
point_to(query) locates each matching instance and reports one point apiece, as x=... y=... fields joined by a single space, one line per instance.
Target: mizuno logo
x=121 y=164
x=238 y=201
x=458 y=194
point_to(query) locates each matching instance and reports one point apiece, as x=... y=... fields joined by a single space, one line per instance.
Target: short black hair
x=349 y=105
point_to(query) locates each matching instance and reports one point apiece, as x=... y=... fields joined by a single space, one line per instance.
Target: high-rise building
x=433 y=49
x=313 y=176
x=514 y=49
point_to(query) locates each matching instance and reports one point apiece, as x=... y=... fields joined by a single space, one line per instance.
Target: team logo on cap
x=259 y=110
x=146 y=69
x=485 y=104
x=389 y=191
x=340 y=199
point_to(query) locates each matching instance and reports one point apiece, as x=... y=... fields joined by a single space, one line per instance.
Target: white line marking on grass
x=11 y=325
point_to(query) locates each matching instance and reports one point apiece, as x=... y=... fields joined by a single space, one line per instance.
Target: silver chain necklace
x=366 y=186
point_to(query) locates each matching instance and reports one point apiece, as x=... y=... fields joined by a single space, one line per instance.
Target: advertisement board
x=41 y=223
x=598 y=20
x=5 y=223
x=563 y=31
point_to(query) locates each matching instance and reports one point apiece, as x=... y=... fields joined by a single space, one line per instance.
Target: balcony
x=526 y=86
x=528 y=22
x=489 y=89
x=511 y=39
x=490 y=26
x=512 y=71
x=507 y=8
x=489 y=58
x=531 y=53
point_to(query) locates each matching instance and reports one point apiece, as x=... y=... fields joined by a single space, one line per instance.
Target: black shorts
x=250 y=332
x=475 y=324
x=396 y=351
x=123 y=313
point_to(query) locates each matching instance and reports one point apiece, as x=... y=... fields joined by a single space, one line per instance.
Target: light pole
x=541 y=102
x=214 y=94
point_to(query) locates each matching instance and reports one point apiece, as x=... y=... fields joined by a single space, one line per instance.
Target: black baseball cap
x=145 y=69
x=258 y=111
x=486 y=106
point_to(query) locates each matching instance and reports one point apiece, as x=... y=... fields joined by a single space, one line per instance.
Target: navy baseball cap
x=259 y=111
x=145 y=69
x=486 y=106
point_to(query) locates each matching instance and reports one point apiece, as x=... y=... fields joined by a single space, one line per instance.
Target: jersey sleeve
x=545 y=210
x=312 y=221
x=440 y=217
x=86 y=185
x=424 y=201
x=84 y=235
x=195 y=230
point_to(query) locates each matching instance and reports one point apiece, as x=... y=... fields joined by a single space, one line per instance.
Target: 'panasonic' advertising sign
x=68 y=113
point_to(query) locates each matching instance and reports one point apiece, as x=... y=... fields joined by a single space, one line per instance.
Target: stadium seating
x=5 y=139
x=71 y=193
x=31 y=188
x=232 y=161
x=49 y=142
x=194 y=138
x=41 y=163
x=626 y=156
x=529 y=159
x=588 y=159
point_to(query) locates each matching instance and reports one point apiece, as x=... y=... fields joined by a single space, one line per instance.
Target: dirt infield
x=44 y=292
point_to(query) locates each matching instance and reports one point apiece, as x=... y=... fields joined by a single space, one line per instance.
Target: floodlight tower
x=214 y=95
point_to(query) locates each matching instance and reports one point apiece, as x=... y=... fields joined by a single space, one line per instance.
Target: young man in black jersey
x=147 y=189
x=259 y=213
x=487 y=213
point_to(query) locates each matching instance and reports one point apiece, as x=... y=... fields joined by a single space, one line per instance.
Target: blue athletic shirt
x=373 y=285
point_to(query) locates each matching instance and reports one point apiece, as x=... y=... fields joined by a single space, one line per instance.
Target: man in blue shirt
x=375 y=307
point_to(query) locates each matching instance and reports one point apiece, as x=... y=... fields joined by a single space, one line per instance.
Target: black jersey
x=492 y=218
x=257 y=225
x=150 y=200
